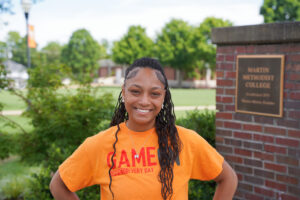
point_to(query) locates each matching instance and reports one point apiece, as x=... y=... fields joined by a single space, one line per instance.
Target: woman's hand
x=226 y=183
x=59 y=190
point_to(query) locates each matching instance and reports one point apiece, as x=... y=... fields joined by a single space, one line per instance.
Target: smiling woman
x=143 y=155
x=143 y=98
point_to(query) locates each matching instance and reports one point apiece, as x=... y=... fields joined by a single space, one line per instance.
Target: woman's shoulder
x=189 y=135
x=104 y=136
x=185 y=131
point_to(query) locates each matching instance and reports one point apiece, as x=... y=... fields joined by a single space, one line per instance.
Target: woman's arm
x=226 y=183
x=59 y=190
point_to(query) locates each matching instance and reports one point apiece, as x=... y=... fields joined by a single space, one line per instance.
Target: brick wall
x=264 y=151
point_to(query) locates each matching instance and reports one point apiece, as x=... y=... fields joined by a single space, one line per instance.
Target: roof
x=12 y=66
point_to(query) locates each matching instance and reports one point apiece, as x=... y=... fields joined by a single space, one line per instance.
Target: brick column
x=264 y=151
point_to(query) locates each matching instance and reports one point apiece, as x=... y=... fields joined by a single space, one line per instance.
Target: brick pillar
x=264 y=151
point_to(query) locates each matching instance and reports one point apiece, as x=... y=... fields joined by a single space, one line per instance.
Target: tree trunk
x=179 y=78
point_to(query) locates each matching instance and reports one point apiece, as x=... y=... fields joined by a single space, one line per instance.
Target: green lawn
x=23 y=121
x=11 y=102
x=14 y=167
x=180 y=97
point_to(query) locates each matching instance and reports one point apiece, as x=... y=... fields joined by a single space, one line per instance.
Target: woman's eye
x=156 y=94
x=135 y=91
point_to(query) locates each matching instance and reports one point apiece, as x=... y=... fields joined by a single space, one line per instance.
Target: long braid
x=168 y=139
x=112 y=161
x=119 y=116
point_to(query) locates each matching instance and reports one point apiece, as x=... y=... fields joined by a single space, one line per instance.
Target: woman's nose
x=144 y=100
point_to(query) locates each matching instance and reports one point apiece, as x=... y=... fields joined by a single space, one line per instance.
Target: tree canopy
x=206 y=51
x=134 y=44
x=174 y=46
x=280 y=10
x=51 y=53
x=81 y=54
x=16 y=48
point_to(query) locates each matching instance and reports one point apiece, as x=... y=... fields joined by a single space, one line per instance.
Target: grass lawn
x=10 y=101
x=14 y=167
x=180 y=97
x=23 y=121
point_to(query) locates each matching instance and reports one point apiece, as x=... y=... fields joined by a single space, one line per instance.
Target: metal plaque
x=259 y=84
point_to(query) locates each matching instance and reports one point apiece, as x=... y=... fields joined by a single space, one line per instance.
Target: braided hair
x=168 y=139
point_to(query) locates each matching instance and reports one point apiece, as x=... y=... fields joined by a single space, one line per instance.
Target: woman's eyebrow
x=153 y=88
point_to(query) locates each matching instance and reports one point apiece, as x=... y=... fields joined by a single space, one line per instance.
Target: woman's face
x=143 y=95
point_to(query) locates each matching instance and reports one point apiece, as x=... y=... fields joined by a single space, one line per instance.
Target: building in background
x=17 y=72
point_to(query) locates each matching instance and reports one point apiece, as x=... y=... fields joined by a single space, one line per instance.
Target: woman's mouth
x=142 y=110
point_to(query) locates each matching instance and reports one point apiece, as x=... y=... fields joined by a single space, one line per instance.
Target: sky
x=56 y=20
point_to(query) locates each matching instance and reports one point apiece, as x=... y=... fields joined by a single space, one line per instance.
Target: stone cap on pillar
x=282 y=32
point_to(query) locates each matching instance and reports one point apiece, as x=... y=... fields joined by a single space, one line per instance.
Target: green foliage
x=201 y=122
x=174 y=46
x=82 y=54
x=199 y=190
x=133 y=45
x=3 y=51
x=206 y=51
x=51 y=53
x=5 y=144
x=280 y=10
x=39 y=184
x=4 y=81
x=14 y=189
x=204 y=124
x=17 y=47
x=61 y=119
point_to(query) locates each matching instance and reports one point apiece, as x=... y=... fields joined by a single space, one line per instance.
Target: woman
x=143 y=155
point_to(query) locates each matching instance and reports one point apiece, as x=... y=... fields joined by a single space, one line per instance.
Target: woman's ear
x=123 y=92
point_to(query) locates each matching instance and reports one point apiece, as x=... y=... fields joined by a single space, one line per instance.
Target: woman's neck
x=139 y=127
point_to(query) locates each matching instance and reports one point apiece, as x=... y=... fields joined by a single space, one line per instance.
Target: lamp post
x=26 y=4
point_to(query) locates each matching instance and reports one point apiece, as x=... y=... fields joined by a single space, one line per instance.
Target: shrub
x=204 y=124
x=61 y=118
x=61 y=121
x=14 y=189
x=39 y=184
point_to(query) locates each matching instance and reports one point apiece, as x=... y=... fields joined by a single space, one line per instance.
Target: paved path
x=177 y=108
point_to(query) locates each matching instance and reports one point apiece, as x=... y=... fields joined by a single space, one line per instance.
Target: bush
x=14 y=189
x=201 y=122
x=61 y=121
x=39 y=184
x=204 y=124
x=5 y=145
x=61 y=118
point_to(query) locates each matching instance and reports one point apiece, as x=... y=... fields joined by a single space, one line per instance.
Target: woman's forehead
x=144 y=77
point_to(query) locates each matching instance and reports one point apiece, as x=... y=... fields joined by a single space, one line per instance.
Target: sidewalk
x=177 y=108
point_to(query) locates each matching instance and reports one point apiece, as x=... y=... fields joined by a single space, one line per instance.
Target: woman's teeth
x=143 y=111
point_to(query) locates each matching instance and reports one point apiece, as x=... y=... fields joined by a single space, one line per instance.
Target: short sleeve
x=207 y=162
x=76 y=171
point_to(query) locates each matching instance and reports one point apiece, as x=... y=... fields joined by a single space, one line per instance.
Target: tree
x=134 y=44
x=81 y=54
x=3 y=51
x=174 y=46
x=16 y=46
x=51 y=53
x=280 y=10
x=206 y=51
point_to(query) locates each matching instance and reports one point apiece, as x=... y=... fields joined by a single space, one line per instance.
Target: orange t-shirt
x=137 y=177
